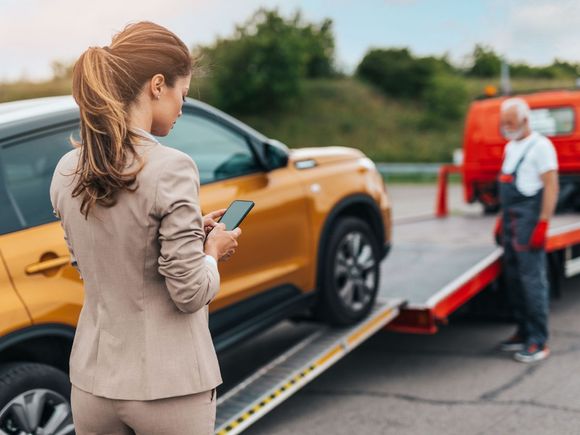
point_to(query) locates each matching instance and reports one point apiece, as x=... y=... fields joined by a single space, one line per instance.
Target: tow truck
x=437 y=265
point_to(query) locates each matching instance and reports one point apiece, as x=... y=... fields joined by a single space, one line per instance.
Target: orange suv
x=312 y=244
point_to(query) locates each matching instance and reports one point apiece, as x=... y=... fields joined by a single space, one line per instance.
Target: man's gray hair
x=522 y=108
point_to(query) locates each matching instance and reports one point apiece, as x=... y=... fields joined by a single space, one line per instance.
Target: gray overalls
x=524 y=267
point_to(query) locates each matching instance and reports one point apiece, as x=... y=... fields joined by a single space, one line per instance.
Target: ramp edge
x=343 y=341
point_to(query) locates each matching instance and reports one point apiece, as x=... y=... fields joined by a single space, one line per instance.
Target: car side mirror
x=276 y=154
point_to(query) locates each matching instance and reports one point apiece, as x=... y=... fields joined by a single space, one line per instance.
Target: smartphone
x=236 y=213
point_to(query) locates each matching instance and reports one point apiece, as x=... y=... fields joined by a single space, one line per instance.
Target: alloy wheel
x=37 y=412
x=354 y=270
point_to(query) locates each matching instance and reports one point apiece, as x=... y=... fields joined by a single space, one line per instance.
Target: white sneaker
x=532 y=353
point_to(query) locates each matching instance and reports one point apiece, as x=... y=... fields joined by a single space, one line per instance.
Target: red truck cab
x=554 y=114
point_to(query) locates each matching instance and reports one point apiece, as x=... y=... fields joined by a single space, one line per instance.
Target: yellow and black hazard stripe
x=355 y=338
x=267 y=400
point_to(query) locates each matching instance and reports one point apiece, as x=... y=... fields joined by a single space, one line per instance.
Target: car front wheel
x=34 y=399
x=349 y=274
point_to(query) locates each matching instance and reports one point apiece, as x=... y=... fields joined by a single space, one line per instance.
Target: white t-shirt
x=539 y=159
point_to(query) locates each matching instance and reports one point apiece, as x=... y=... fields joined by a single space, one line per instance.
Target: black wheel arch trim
x=57 y=330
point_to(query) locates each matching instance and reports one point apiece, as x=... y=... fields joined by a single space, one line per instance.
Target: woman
x=142 y=360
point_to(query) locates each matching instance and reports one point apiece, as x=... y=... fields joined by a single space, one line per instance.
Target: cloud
x=36 y=32
x=538 y=31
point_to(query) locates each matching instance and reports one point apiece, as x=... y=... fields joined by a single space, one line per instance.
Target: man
x=528 y=191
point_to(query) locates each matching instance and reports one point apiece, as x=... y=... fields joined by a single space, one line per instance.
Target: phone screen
x=235 y=213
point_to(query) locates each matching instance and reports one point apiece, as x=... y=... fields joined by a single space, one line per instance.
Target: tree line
x=262 y=66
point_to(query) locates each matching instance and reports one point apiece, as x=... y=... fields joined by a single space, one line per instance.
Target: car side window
x=9 y=221
x=218 y=151
x=27 y=167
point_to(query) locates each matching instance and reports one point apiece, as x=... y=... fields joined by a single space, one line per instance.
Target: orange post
x=441 y=208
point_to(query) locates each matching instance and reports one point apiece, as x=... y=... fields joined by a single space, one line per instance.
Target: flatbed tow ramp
x=436 y=265
x=265 y=389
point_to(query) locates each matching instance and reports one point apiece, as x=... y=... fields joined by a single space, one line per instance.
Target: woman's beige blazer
x=143 y=329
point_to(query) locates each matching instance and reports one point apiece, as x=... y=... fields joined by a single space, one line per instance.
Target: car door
x=33 y=249
x=273 y=249
x=13 y=315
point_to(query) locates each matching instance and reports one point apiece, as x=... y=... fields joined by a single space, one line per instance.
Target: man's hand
x=538 y=238
x=209 y=220
x=497 y=231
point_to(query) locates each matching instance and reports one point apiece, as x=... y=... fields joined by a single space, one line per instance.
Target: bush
x=262 y=66
x=446 y=97
x=319 y=49
x=486 y=63
x=396 y=72
x=433 y=82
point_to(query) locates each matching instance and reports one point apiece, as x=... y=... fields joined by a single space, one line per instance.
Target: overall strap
x=520 y=161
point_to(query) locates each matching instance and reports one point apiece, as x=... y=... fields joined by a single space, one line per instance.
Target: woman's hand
x=209 y=220
x=220 y=243
x=227 y=256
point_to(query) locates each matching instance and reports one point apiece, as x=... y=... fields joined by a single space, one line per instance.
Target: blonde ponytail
x=106 y=81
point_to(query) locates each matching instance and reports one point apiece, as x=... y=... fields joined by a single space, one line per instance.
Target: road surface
x=454 y=382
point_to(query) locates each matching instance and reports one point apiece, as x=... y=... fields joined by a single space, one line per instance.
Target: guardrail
x=440 y=170
x=409 y=168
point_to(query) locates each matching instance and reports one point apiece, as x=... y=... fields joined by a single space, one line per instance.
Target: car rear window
x=552 y=121
x=27 y=167
x=9 y=221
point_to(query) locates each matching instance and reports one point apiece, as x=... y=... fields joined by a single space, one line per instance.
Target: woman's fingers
x=217 y=213
x=228 y=254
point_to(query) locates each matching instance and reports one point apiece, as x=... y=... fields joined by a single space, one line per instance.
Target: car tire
x=41 y=393
x=349 y=273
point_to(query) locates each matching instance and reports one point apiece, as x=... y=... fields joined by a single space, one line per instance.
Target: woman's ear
x=156 y=85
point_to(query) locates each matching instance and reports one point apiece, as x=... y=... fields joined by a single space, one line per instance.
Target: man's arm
x=550 y=195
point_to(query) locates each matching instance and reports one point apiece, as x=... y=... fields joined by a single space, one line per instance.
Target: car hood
x=322 y=155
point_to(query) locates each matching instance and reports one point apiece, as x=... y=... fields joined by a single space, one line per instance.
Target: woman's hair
x=106 y=81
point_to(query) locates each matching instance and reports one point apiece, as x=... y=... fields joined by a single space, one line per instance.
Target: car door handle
x=41 y=266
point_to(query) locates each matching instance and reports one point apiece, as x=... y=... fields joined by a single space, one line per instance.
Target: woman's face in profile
x=167 y=108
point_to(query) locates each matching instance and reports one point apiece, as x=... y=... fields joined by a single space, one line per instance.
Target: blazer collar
x=147 y=138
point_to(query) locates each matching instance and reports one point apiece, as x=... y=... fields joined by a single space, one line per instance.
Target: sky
x=33 y=33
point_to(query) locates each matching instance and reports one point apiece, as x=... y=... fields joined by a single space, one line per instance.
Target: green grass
x=343 y=112
x=346 y=112
x=475 y=86
x=24 y=90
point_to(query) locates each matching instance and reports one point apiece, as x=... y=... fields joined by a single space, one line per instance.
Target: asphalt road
x=454 y=382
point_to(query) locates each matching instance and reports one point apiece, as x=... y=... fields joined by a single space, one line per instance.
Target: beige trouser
x=193 y=414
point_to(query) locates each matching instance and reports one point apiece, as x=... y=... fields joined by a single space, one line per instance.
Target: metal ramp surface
x=269 y=386
x=437 y=264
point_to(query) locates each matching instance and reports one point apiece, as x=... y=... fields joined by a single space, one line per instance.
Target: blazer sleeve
x=56 y=213
x=191 y=280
